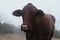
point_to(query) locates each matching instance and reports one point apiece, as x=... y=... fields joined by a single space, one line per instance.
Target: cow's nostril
x=24 y=27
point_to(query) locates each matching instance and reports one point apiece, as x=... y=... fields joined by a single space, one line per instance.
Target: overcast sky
x=48 y=6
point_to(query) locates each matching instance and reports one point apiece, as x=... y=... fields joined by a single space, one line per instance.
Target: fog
x=8 y=6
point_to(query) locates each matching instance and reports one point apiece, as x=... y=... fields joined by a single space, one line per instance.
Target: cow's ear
x=39 y=13
x=17 y=13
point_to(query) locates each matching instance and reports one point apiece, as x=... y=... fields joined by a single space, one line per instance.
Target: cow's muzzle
x=24 y=28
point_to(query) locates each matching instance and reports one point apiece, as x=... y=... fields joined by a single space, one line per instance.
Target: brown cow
x=36 y=24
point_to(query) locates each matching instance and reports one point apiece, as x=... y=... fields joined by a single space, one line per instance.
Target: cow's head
x=28 y=14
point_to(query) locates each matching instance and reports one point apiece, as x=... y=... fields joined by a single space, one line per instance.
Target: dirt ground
x=15 y=37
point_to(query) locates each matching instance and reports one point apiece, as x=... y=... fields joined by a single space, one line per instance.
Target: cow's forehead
x=29 y=7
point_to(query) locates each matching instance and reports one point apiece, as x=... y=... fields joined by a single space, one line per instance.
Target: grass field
x=15 y=37
x=55 y=39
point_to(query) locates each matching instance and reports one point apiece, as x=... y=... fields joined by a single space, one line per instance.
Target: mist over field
x=8 y=6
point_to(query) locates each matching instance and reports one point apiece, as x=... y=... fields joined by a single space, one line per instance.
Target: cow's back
x=52 y=24
x=44 y=27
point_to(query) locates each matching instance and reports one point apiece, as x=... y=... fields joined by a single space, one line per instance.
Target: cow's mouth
x=24 y=28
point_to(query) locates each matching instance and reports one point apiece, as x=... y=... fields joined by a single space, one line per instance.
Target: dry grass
x=15 y=37
x=12 y=37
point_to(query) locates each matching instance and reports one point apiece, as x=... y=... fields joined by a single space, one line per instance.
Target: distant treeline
x=11 y=29
x=57 y=34
x=8 y=29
